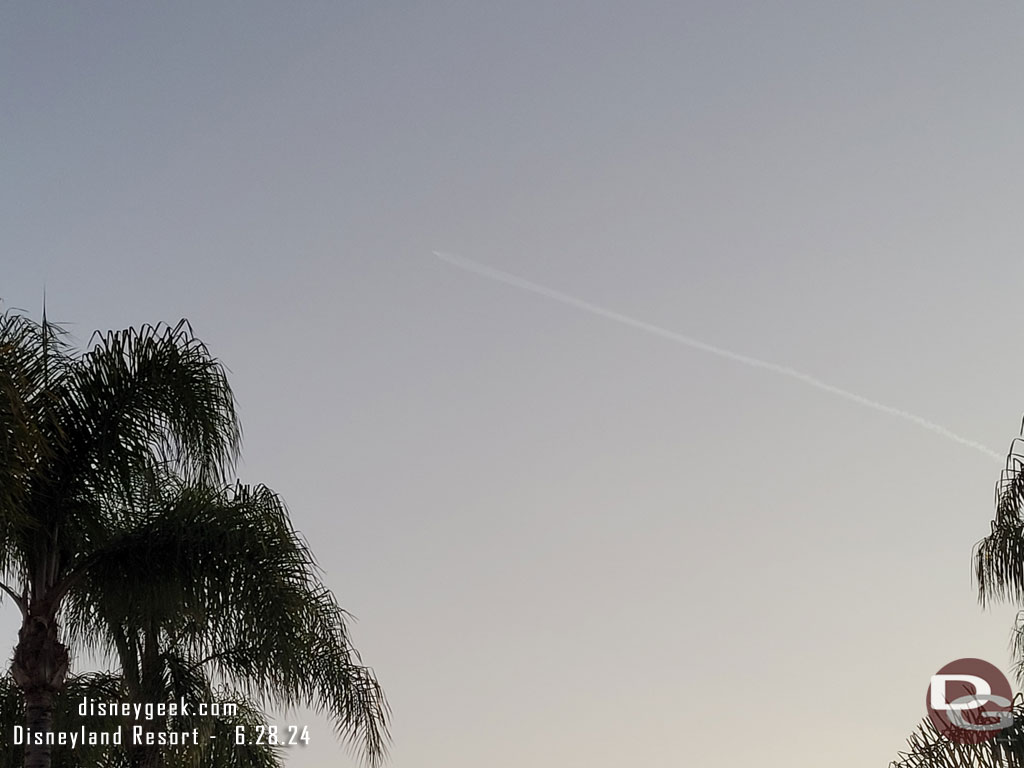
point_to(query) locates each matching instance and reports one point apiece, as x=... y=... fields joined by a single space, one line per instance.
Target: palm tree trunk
x=38 y=720
x=151 y=681
x=39 y=668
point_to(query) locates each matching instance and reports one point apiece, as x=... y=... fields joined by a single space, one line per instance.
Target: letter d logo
x=969 y=701
x=939 y=699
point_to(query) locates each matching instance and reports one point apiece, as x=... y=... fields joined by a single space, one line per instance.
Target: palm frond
x=31 y=358
x=999 y=557
x=927 y=748
x=147 y=396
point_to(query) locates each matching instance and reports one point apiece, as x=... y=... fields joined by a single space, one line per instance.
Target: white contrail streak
x=509 y=279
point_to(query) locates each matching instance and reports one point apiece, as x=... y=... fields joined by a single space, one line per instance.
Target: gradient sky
x=571 y=543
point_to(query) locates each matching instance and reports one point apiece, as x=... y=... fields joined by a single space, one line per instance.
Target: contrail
x=509 y=279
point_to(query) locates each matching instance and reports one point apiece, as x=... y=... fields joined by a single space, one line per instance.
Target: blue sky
x=568 y=542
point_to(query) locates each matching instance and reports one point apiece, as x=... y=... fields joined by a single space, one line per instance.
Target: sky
x=571 y=541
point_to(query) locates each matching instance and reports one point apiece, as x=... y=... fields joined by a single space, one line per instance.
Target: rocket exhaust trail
x=687 y=341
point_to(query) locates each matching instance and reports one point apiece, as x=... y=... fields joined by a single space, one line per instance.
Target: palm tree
x=82 y=433
x=130 y=439
x=999 y=571
x=207 y=583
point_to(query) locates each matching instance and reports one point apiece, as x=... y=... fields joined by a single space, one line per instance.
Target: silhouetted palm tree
x=214 y=583
x=999 y=571
x=113 y=504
